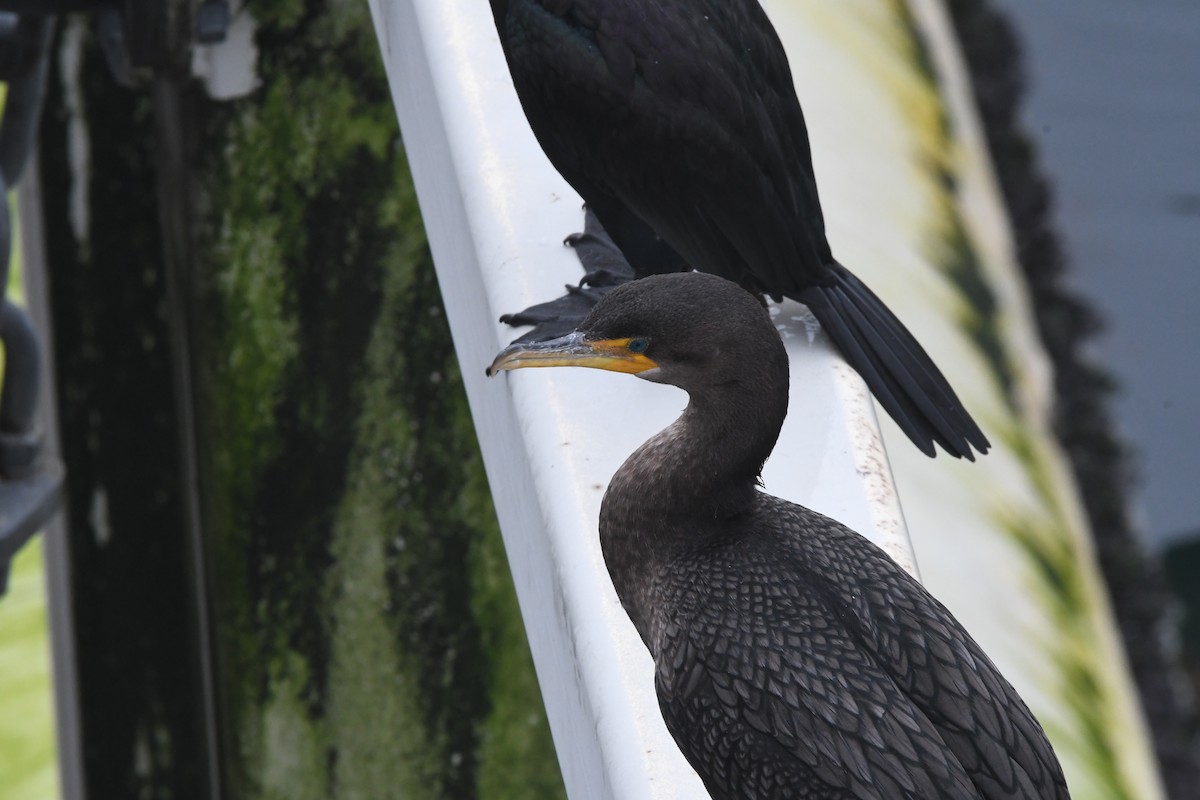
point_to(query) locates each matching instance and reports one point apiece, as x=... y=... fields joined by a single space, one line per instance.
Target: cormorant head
x=689 y=329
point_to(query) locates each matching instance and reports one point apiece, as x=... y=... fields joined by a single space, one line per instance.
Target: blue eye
x=638 y=345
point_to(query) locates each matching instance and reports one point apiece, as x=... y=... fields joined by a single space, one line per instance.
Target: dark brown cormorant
x=678 y=118
x=794 y=659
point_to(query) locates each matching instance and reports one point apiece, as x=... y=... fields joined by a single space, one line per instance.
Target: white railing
x=496 y=213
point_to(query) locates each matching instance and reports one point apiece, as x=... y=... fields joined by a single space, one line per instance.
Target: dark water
x=1114 y=105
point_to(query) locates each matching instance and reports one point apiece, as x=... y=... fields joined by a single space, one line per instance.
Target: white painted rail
x=496 y=213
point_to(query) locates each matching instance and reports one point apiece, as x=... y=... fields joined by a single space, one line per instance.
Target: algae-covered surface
x=28 y=769
x=369 y=639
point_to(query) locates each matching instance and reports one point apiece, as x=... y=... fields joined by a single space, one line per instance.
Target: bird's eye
x=638 y=345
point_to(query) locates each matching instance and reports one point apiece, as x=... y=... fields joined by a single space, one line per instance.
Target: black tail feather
x=897 y=369
x=866 y=363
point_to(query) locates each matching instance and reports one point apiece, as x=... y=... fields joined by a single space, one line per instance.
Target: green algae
x=1087 y=735
x=371 y=644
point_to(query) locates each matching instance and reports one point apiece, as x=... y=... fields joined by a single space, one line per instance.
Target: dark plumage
x=794 y=658
x=678 y=119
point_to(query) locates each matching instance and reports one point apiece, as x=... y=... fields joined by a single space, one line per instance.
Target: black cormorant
x=678 y=118
x=794 y=659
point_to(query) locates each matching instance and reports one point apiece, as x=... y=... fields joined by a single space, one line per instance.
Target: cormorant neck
x=716 y=450
x=685 y=483
x=708 y=460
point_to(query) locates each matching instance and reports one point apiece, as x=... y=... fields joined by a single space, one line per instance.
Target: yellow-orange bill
x=572 y=350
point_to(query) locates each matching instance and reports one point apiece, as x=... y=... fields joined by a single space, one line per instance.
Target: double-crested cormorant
x=794 y=659
x=678 y=118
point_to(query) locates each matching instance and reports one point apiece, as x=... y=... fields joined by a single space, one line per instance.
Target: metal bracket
x=30 y=484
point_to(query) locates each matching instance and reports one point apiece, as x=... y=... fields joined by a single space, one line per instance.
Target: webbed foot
x=604 y=268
